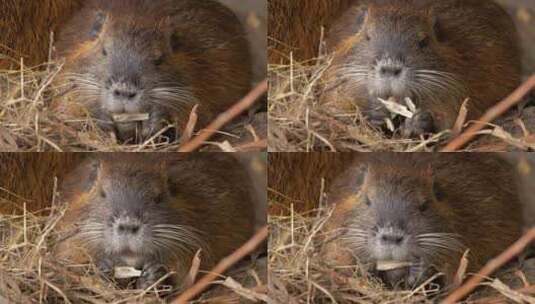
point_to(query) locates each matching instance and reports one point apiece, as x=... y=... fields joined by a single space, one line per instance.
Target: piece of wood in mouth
x=126 y=118
x=392 y=265
x=126 y=273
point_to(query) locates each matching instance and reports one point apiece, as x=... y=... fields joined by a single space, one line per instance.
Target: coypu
x=26 y=28
x=437 y=53
x=154 y=58
x=296 y=26
x=253 y=15
x=423 y=211
x=297 y=177
x=30 y=178
x=154 y=212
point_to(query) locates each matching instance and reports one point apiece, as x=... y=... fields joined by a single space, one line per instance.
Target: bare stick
x=491 y=266
x=222 y=266
x=491 y=115
x=225 y=118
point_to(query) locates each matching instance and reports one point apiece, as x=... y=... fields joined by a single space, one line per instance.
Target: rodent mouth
x=387 y=265
x=130 y=118
x=130 y=258
x=129 y=125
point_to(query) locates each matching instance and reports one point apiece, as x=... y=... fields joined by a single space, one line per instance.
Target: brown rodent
x=436 y=52
x=153 y=212
x=26 y=28
x=30 y=178
x=425 y=210
x=296 y=26
x=156 y=57
x=299 y=178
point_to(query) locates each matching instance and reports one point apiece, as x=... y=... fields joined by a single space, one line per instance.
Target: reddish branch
x=491 y=115
x=223 y=266
x=511 y=252
x=225 y=118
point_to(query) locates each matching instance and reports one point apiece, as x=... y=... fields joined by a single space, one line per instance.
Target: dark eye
x=159 y=60
x=102 y=193
x=424 y=206
x=368 y=38
x=158 y=199
x=424 y=42
x=176 y=42
x=367 y=201
x=438 y=192
x=104 y=51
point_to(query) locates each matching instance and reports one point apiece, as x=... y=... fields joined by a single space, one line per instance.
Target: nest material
x=29 y=123
x=29 y=272
x=298 y=274
x=298 y=122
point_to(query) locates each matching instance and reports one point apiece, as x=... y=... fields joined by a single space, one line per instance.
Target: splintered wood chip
x=393 y=107
x=411 y=105
x=126 y=273
x=392 y=265
x=390 y=124
x=130 y=117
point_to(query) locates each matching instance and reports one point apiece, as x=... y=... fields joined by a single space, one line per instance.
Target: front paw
x=420 y=124
x=105 y=266
x=376 y=116
x=152 y=126
x=150 y=275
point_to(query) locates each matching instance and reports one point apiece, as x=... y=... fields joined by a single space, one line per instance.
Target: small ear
x=98 y=24
x=362 y=15
x=101 y=168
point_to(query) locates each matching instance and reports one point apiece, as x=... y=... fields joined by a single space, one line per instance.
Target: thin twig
x=491 y=115
x=491 y=266
x=225 y=118
x=222 y=266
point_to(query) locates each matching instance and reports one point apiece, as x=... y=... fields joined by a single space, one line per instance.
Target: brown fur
x=210 y=192
x=29 y=178
x=296 y=26
x=297 y=178
x=197 y=46
x=26 y=28
x=478 y=201
x=476 y=41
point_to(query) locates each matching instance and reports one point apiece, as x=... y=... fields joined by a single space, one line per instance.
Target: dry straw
x=28 y=122
x=299 y=122
x=298 y=274
x=29 y=273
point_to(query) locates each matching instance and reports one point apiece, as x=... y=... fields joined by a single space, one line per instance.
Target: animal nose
x=392 y=239
x=128 y=228
x=124 y=94
x=390 y=71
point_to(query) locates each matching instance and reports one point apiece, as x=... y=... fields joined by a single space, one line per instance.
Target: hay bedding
x=27 y=122
x=29 y=273
x=298 y=274
x=299 y=123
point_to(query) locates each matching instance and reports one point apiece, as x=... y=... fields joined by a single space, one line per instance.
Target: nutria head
x=400 y=216
x=398 y=52
x=155 y=58
x=132 y=218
